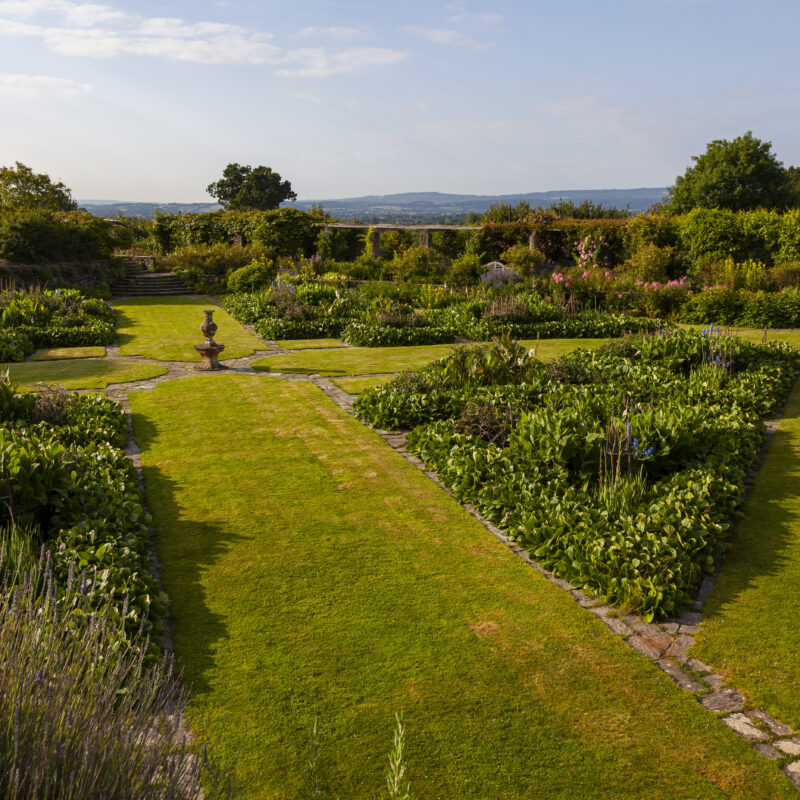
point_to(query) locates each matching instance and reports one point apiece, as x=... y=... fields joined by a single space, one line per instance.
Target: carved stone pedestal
x=209 y=350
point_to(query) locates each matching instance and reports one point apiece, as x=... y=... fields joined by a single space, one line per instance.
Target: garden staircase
x=139 y=282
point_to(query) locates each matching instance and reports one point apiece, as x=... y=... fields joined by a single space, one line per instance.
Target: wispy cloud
x=446 y=36
x=333 y=32
x=479 y=18
x=33 y=86
x=319 y=63
x=458 y=12
x=101 y=31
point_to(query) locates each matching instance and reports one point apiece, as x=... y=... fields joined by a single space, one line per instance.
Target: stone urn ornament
x=209 y=350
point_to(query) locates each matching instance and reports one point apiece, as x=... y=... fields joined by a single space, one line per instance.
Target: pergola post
x=425 y=239
x=375 y=243
x=535 y=242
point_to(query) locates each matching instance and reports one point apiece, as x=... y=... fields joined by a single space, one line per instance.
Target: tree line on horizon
x=738 y=175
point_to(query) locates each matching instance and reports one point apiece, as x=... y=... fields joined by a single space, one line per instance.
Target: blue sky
x=150 y=100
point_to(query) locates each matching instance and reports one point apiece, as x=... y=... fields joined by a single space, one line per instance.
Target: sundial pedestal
x=209 y=350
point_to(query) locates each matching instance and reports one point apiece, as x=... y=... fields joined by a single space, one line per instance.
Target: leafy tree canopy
x=21 y=187
x=242 y=188
x=793 y=173
x=740 y=175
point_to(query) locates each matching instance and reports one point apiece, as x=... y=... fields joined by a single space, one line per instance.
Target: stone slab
x=617 y=625
x=679 y=676
x=723 y=700
x=715 y=681
x=793 y=771
x=789 y=746
x=643 y=647
x=698 y=666
x=774 y=726
x=679 y=648
x=767 y=750
x=689 y=618
x=744 y=727
x=670 y=627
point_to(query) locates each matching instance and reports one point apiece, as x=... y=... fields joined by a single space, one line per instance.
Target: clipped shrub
x=650 y=263
x=29 y=236
x=374 y=334
x=784 y=275
x=464 y=270
x=414 y=263
x=524 y=260
x=256 y=275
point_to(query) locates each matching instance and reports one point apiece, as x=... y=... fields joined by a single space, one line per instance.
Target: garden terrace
x=317 y=573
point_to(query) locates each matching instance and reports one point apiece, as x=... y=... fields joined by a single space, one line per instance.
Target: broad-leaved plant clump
x=620 y=469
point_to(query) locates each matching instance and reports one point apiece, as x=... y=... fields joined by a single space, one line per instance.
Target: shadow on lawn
x=123 y=321
x=762 y=536
x=186 y=550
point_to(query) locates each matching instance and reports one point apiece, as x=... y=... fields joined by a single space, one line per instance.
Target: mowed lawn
x=168 y=328
x=56 y=353
x=789 y=335
x=315 y=574
x=370 y=360
x=80 y=373
x=751 y=630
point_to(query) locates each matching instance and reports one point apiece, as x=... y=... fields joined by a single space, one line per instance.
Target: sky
x=150 y=100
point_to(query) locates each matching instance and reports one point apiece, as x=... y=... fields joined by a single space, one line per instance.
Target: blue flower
x=649 y=451
x=635 y=444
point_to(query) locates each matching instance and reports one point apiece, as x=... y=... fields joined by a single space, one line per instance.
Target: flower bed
x=60 y=318
x=619 y=469
x=66 y=479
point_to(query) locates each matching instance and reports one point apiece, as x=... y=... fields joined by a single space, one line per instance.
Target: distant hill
x=112 y=208
x=406 y=207
x=438 y=207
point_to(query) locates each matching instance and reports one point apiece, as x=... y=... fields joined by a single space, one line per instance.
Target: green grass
x=315 y=574
x=790 y=335
x=55 y=353
x=309 y=344
x=358 y=385
x=370 y=360
x=87 y=373
x=168 y=328
x=751 y=630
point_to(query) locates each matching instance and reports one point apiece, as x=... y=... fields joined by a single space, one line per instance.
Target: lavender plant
x=82 y=715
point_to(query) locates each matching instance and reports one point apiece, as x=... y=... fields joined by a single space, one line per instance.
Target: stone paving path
x=666 y=643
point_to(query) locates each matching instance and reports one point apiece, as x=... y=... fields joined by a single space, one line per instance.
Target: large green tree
x=740 y=175
x=793 y=174
x=21 y=187
x=241 y=188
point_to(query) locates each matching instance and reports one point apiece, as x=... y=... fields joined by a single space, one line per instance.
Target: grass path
x=314 y=573
x=80 y=373
x=365 y=360
x=56 y=353
x=168 y=328
x=751 y=630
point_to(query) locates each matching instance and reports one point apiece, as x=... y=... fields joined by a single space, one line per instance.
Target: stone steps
x=138 y=282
